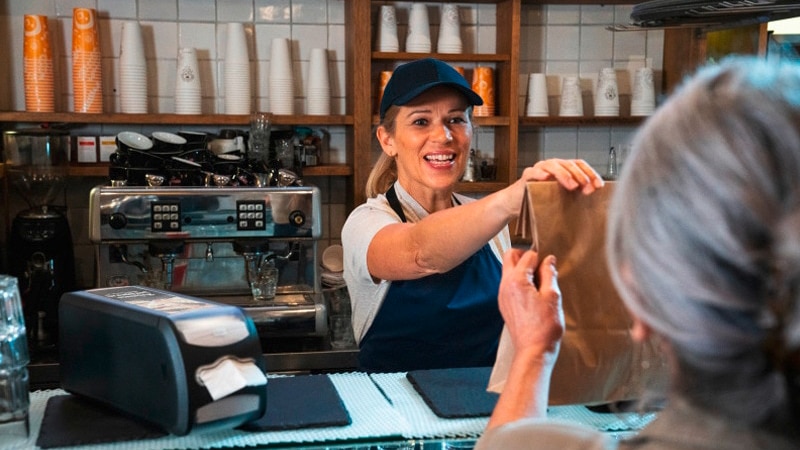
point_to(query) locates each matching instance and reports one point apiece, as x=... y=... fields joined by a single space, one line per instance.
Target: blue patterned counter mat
x=370 y=413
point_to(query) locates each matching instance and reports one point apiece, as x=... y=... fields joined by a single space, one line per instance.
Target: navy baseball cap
x=412 y=79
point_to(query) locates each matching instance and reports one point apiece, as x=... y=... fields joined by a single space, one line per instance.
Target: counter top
x=46 y=375
x=382 y=408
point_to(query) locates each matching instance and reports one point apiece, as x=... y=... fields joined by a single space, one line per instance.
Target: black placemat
x=455 y=393
x=303 y=401
x=72 y=420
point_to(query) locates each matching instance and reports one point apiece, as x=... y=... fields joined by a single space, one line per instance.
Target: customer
x=422 y=264
x=704 y=247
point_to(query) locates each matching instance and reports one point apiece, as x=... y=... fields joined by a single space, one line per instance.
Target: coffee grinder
x=40 y=250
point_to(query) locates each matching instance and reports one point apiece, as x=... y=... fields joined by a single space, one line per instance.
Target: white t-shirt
x=366 y=295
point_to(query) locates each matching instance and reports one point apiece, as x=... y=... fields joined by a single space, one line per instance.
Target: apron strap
x=391 y=195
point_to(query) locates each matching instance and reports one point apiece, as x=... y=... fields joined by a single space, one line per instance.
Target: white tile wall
x=558 y=40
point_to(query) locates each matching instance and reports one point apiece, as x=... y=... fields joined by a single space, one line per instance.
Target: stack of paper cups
x=571 y=97
x=644 y=100
x=237 y=71
x=537 y=96
x=281 y=80
x=419 y=33
x=387 y=33
x=187 y=83
x=483 y=84
x=449 y=30
x=38 y=65
x=132 y=70
x=318 y=97
x=87 y=79
x=386 y=75
x=606 y=99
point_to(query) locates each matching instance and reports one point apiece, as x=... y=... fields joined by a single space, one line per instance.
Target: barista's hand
x=533 y=316
x=570 y=173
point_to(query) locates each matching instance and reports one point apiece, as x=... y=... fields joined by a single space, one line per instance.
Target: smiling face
x=431 y=139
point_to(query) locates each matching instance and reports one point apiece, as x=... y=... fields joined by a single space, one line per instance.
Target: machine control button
x=297 y=218
x=117 y=221
x=250 y=215
x=165 y=216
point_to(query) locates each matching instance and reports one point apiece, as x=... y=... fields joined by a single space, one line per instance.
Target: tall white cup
x=237 y=71
x=449 y=30
x=387 y=33
x=419 y=33
x=187 y=83
x=571 y=97
x=132 y=70
x=318 y=95
x=606 y=99
x=643 y=101
x=281 y=79
x=537 y=96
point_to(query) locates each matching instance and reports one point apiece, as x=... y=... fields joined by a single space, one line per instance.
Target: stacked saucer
x=237 y=71
x=132 y=70
x=281 y=78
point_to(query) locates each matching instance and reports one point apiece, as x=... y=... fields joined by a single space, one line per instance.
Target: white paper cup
x=571 y=97
x=387 y=34
x=606 y=99
x=419 y=33
x=449 y=30
x=537 y=96
x=643 y=100
x=187 y=83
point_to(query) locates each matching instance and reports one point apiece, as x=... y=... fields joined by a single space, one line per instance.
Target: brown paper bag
x=598 y=362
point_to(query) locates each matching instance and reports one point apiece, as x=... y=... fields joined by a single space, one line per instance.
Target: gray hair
x=704 y=234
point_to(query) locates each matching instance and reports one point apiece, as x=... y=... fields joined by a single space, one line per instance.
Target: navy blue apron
x=439 y=321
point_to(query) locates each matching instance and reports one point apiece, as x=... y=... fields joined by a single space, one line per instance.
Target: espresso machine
x=205 y=241
x=40 y=250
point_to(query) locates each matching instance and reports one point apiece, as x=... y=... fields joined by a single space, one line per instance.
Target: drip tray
x=287 y=314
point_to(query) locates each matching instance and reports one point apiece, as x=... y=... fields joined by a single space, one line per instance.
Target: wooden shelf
x=101 y=170
x=556 y=121
x=165 y=119
x=460 y=57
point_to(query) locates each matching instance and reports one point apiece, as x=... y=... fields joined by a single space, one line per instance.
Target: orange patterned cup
x=84 y=30
x=86 y=62
x=483 y=84
x=38 y=65
x=37 y=41
x=385 y=76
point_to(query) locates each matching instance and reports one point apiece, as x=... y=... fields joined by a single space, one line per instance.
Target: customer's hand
x=533 y=315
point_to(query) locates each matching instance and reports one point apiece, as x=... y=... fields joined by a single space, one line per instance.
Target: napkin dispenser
x=178 y=362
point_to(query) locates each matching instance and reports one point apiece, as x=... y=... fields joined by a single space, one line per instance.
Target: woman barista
x=422 y=263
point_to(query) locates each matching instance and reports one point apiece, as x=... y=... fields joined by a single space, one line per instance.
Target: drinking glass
x=259 y=135
x=14 y=359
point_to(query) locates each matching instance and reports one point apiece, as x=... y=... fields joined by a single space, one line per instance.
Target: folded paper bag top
x=598 y=362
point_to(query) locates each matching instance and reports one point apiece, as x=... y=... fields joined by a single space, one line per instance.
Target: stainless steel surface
x=129 y=213
x=208 y=241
